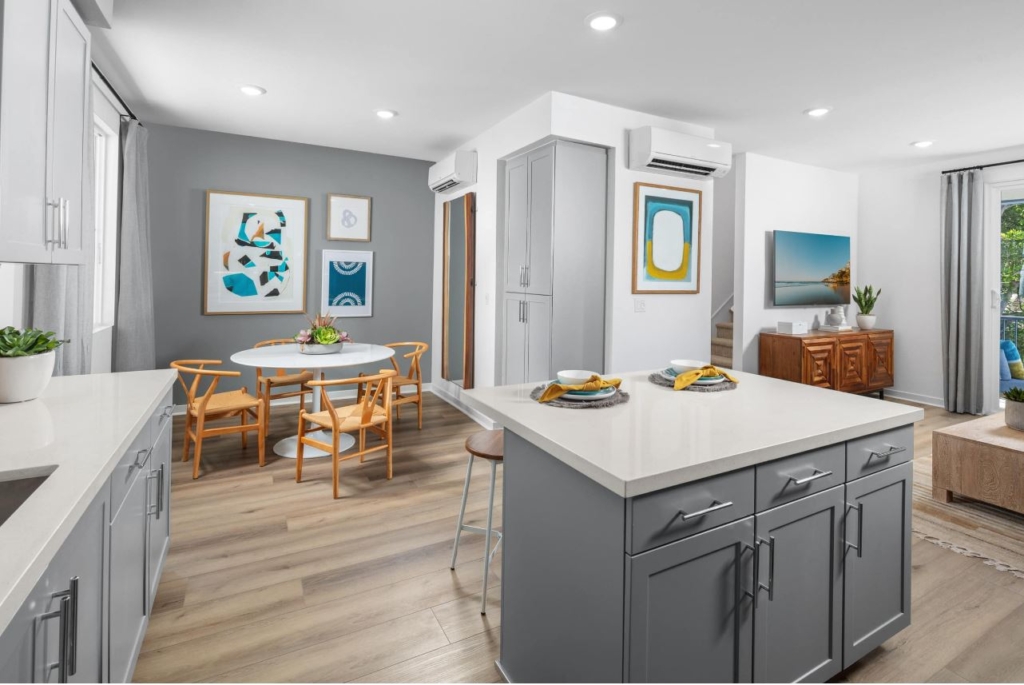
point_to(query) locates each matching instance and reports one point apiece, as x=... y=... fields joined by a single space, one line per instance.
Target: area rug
x=967 y=527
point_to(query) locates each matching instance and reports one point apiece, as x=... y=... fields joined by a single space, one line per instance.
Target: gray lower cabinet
x=56 y=636
x=158 y=508
x=877 y=578
x=128 y=579
x=691 y=617
x=798 y=618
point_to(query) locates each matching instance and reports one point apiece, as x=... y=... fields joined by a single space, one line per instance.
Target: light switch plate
x=639 y=306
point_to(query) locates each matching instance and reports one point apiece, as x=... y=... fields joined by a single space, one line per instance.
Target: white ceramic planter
x=866 y=322
x=1014 y=415
x=25 y=378
x=309 y=348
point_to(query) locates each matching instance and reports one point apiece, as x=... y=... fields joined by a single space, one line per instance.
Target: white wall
x=775 y=195
x=900 y=247
x=672 y=326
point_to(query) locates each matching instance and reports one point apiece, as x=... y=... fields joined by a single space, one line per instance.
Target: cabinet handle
x=66 y=204
x=526 y=311
x=815 y=476
x=770 y=587
x=752 y=592
x=860 y=527
x=882 y=456
x=522 y=276
x=158 y=475
x=715 y=506
x=527 y=284
x=140 y=459
x=53 y=204
x=166 y=414
x=62 y=614
x=71 y=651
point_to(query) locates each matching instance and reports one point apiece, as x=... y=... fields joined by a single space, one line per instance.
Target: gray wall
x=185 y=163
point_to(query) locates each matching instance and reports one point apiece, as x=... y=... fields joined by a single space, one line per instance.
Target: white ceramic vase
x=1014 y=415
x=25 y=378
x=313 y=348
x=866 y=322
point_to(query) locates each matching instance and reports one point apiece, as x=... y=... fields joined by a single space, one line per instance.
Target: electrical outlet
x=639 y=306
x=487 y=298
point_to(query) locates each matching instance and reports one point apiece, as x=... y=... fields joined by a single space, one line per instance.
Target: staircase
x=721 y=343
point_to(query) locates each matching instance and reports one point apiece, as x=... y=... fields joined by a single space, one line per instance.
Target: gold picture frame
x=672 y=195
x=359 y=211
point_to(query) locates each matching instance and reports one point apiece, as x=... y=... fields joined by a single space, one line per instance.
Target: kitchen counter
x=76 y=432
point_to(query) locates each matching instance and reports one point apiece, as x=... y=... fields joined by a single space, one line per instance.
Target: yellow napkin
x=595 y=382
x=687 y=379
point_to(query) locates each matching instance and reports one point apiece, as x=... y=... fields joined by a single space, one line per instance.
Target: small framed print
x=348 y=217
x=347 y=283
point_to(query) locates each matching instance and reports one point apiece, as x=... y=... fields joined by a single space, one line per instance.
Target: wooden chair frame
x=264 y=384
x=415 y=377
x=373 y=391
x=198 y=402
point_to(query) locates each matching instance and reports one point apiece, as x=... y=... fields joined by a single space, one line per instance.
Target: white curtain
x=963 y=289
x=134 y=329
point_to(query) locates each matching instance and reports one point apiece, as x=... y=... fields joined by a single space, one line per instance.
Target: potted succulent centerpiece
x=866 y=299
x=321 y=337
x=26 y=362
x=1014 y=413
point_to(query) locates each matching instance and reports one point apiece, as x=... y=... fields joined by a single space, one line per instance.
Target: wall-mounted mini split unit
x=678 y=154
x=453 y=172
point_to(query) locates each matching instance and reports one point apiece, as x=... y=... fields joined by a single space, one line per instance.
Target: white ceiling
x=895 y=71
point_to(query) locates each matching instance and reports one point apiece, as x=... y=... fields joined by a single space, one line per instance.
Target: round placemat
x=658 y=379
x=621 y=397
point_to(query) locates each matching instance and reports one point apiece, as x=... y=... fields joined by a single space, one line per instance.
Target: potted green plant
x=1014 y=413
x=866 y=299
x=26 y=362
x=321 y=337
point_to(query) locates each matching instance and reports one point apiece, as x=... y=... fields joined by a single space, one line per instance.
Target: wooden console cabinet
x=853 y=361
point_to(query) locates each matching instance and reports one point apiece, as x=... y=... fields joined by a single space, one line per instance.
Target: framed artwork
x=347 y=283
x=255 y=253
x=348 y=217
x=666 y=239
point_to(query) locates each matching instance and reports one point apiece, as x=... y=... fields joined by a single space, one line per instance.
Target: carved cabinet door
x=819 y=363
x=852 y=364
x=879 y=358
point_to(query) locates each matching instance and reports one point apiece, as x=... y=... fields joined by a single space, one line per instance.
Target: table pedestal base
x=288 y=447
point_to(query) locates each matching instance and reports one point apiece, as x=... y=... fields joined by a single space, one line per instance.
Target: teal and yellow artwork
x=666 y=250
x=255 y=254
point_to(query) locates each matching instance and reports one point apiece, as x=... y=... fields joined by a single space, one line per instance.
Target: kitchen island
x=761 y=533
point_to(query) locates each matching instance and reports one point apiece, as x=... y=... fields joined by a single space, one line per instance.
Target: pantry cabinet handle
x=815 y=476
x=715 y=506
x=893 y=449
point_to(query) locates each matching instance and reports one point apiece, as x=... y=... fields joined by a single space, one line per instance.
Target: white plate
x=602 y=395
x=710 y=381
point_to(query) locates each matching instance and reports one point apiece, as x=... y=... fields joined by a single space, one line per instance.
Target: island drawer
x=129 y=466
x=879 y=451
x=800 y=475
x=161 y=417
x=669 y=515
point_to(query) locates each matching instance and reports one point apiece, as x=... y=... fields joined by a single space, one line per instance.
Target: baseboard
x=914 y=397
x=467 y=410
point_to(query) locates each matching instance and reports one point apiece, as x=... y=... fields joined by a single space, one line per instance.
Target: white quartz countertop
x=662 y=438
x=78 y=429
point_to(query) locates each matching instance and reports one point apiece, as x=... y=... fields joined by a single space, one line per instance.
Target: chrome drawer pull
x=893 y=449
x=815 y=476
x=715 y=506
x=140 y=458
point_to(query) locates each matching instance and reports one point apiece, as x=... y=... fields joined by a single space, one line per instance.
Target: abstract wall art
x=255 y=253
x=347 y=283
x=348 y=217
x=666 y=239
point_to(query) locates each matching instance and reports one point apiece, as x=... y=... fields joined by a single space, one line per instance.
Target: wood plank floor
x=269 y=580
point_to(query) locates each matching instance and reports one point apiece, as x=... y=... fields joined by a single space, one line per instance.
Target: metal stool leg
x=488 y=552
x=462 y=512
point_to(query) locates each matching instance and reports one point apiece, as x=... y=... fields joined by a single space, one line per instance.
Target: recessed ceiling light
x=922 y=143
x=253 y=91
x=603 y=21
x=714 y=145
x=387 y=113
x=817 y=111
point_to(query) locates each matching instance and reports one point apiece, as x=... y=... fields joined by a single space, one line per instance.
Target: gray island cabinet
x=78 y=613
x=757 y=535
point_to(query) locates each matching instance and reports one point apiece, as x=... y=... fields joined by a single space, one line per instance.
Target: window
x=106 y=141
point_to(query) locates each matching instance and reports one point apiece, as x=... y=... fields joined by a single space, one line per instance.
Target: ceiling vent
x=678 y=154
x=453 y=172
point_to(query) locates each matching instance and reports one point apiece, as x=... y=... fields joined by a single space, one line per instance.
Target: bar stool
x=487 y=445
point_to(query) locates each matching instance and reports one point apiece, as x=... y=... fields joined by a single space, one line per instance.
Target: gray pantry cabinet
x=86 y=617
x=45 y=129
x=789 y=571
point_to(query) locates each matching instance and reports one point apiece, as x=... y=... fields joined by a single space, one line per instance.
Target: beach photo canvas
x=811 y=269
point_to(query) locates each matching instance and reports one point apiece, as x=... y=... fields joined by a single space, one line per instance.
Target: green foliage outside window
x=1012 y=257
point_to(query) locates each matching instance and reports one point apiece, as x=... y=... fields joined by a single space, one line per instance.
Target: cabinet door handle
x=882 y=456
x=526 y=311
x=67 y=222
x=715 y=506
x=55 y=205
x=752 y=592
x=527 y=284
x=158 y=474
x=815 y=476
x=859 y=547
x=62 y=614
x=770 y=587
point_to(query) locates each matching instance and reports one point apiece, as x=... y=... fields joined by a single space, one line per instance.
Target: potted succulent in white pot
x=26 y=363
x=1014 y=413
x=321 y=337
x=866 y=299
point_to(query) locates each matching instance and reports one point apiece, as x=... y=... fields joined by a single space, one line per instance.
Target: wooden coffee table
x=982 y=459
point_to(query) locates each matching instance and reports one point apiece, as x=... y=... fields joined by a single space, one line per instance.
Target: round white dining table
x=273 y=357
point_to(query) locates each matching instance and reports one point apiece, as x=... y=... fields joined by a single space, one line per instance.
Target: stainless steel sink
x=15 y=490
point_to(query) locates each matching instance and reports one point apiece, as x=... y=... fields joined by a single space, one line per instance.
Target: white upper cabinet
x=44 y=129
